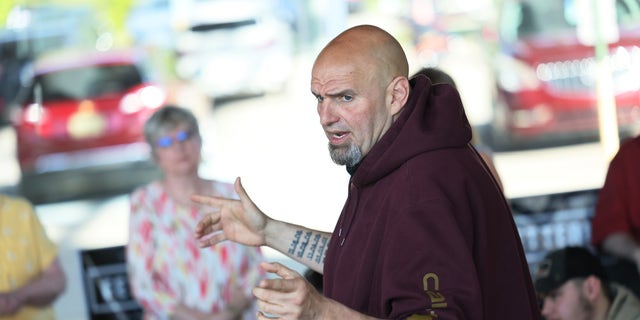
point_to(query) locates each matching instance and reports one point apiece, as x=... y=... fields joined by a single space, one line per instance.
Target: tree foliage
x=112 y=12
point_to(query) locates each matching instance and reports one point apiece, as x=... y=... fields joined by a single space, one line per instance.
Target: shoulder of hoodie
x=435 y=174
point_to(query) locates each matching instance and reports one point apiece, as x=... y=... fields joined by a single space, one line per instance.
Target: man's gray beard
x=351 y=157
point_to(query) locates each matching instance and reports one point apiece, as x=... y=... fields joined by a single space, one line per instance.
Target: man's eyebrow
x=346 y=92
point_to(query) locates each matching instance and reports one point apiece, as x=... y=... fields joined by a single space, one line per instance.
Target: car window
x=85 y=83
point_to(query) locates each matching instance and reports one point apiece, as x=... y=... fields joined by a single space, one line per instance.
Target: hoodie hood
x=433 y=118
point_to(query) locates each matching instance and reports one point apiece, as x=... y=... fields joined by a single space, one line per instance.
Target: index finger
x=208 y=200
x=279 y=269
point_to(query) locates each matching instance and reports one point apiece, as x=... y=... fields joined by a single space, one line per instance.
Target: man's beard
x=349 y=157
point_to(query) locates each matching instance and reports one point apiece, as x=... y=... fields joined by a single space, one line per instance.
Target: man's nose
x=326 y=114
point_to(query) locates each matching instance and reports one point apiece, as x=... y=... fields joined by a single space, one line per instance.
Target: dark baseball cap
x=561 y=265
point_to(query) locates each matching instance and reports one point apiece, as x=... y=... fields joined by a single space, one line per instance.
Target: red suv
x=546 y=79
x=79 y=123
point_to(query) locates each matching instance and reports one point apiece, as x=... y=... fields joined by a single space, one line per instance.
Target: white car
x=235 y=47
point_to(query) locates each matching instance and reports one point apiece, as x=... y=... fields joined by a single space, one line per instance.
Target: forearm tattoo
x=309 y=245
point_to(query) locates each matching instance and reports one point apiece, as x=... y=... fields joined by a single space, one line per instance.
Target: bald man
x=425 y=232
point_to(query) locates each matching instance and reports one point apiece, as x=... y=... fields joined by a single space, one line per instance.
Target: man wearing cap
x=572 y=284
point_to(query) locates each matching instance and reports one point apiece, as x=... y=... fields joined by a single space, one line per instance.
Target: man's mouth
x=337 y=137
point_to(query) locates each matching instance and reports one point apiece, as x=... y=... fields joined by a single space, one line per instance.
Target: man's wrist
x=331 y=309
x=270 y=230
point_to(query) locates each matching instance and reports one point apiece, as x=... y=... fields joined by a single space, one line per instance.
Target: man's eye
x=347 y=98
x=319 y=98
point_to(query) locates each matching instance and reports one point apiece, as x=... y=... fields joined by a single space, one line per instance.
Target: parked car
x=234 y=48
x=35 y=29
x=546 y=78
x=79 y=124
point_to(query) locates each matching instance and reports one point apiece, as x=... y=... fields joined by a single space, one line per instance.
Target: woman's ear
x=398 y=94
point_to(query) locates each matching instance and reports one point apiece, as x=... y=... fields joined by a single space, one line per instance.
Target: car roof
x=77 y=58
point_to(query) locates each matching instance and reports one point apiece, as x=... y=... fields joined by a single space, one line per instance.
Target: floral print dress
x=166 y=266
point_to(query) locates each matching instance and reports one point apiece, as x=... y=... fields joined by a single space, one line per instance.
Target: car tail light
x=515 y=75
x=145 y=97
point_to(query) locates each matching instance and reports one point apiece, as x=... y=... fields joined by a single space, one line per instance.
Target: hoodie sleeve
x=439 y=266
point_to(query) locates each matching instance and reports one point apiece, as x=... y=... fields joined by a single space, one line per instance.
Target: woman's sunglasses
x=168 y=141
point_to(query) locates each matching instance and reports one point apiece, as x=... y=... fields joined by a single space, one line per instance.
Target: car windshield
x=527 y=18
x=84 y=83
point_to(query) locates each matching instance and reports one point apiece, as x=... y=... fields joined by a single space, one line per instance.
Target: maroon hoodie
x=425 y=228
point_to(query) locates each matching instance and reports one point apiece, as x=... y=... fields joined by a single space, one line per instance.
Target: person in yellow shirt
x=31 y=276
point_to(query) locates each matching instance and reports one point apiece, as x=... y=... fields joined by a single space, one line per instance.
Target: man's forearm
x=183 y=312
x=302 y=244
x=334 y=310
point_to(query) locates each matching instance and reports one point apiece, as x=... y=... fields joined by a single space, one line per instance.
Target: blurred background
x=79 y=78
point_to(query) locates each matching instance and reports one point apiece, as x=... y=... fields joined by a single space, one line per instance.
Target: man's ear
x=592 y=288
x=397 y=94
